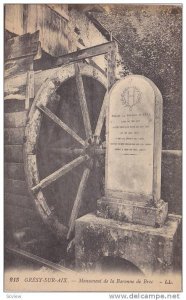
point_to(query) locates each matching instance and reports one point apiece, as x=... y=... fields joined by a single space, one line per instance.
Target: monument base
x=148 y=249
x=132 y=212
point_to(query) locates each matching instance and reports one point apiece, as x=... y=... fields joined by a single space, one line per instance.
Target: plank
x=15 y=119
x=60 y=172
x=14 y=136
x=13 y=153
x=29 y=89
x=111 y=65
x=84 y=53
x=83 y=102
x=18 y=66
x=40 y=260
x=18 y=200
x=53 y=29
x=17 y=187
x=60 y=123
x=14 y=18
x=15 y=87
x=21 y=46
x=78 y=201
x=25 y=17
x=14 y=171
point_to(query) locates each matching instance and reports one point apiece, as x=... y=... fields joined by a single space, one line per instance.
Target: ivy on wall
x=151 y=36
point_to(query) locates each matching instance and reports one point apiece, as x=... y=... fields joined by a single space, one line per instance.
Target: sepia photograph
x=92 y=147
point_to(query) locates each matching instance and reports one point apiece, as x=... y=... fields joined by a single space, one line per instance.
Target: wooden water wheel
x=64 y=146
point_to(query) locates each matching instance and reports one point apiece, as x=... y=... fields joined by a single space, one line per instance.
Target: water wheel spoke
x=67 y=151
x=78 y=201
x=60 y=172
x=101 y=117
x=60 y=123
x=83 y=103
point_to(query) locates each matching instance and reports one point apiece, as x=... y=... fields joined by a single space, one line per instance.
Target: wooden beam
x=40 y=260
x=60 y=172
x=78 y=201
x=21 y=46
x=101 y=117
x=29 y=89
x=60 y=123
x=111 y=65
x=15 y=87
x=67 y=151
x=25 y=17
x=83 y=102
x=84 y=53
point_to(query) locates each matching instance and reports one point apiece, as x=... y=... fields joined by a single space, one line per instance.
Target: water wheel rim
x=32 y=130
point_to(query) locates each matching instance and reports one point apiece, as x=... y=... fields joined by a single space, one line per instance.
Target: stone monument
x=132 y=220
x=133 y=154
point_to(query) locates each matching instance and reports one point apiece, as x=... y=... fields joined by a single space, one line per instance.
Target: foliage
x=151 y=36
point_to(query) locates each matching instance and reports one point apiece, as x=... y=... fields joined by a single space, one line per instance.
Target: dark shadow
x=117 y=264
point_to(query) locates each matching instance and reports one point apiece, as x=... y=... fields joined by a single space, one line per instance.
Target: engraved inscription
x=130 y=137
x=130 y=97
x=129 y=131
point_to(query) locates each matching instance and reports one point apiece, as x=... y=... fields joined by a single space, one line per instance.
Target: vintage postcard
x=93 y=147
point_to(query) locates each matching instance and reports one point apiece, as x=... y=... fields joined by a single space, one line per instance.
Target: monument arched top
x=134 y=89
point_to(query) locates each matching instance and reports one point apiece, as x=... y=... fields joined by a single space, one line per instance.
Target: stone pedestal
x=149 y=249
x=135 y=212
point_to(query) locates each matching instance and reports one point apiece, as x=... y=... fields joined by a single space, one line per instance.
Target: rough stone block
x=149 y=249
